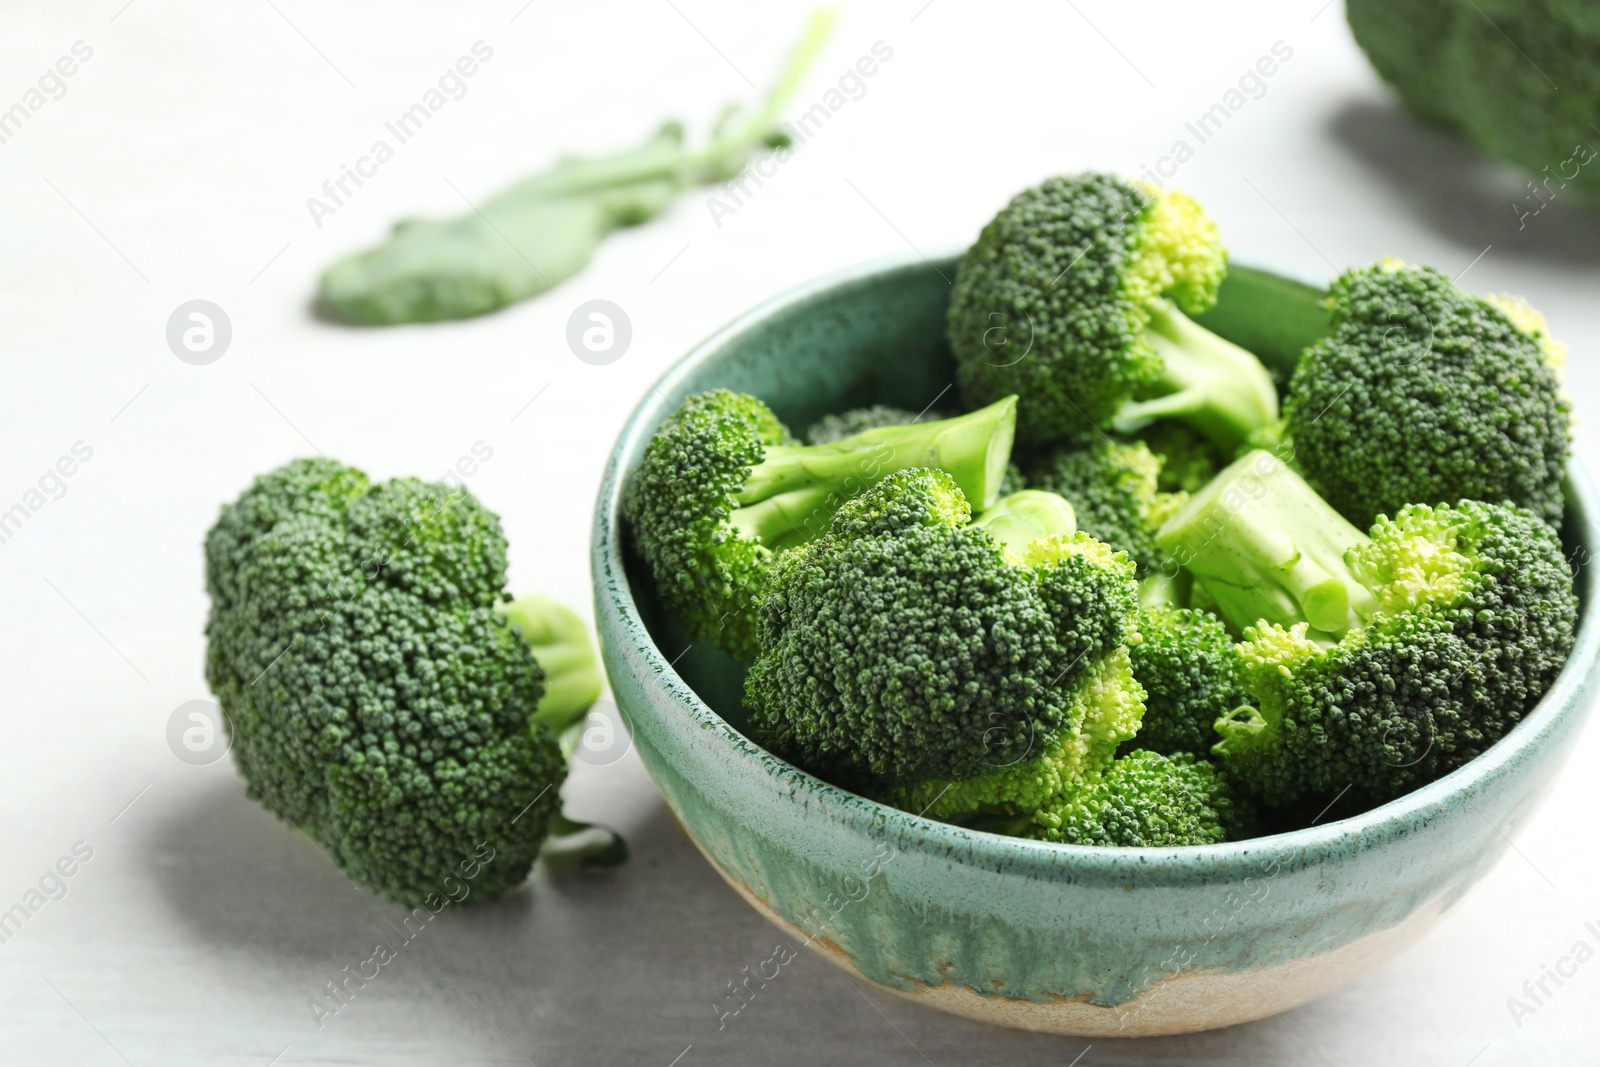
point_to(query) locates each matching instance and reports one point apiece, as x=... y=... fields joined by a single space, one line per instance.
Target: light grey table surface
x=176 y=164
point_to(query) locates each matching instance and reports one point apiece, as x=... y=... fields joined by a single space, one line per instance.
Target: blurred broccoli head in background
x=1516 y=77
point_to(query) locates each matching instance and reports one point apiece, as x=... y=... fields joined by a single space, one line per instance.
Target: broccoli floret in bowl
x=1375 y=662
x=1073 y=298
x=1424 y=393
x=723 y=488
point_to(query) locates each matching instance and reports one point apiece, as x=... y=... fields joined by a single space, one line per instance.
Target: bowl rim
x=1385 y=823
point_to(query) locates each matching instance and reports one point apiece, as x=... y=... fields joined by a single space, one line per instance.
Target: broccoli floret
x=1192 y=675
x=831 y=428
x=1070 y=299
x=375 y=694
x=906 y=645
x=1112 y=487
x=722 y=487
x=1516 y=77
x=1382 y=664
x=1423 y=393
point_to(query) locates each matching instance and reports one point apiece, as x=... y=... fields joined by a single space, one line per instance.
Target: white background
x=177 y=166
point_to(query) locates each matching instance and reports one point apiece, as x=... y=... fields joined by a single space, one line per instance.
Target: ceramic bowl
x=1068 y=939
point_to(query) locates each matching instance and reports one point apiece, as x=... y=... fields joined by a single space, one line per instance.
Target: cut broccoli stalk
x=1267 y=547
x=1212 y=384
x=560 y=645
x=1026 y=516
x=791 y=495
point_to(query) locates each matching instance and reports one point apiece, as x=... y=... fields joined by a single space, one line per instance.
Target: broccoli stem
x=1018 y=520
x=1212 y=384
x=793 y=493
x=1161 y=589
x=559 y=642
x=1267 y=547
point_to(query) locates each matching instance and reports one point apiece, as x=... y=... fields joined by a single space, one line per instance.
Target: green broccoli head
x=1112 y=487
x=1146 y=800
x=907 y=644
x=1516 y=77
x=374 y=696
x=1060 y=301
x=1423 y=393
x=1377 y=663
x=722 y=487
x=1192 y=675
x=1103 y=710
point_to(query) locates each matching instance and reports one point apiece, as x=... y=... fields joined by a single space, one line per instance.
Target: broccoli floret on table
x=379 y=693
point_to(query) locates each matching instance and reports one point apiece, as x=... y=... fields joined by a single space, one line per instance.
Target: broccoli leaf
x=542 y=231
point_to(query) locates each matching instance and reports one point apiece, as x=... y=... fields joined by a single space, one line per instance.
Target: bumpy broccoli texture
x=1146 y=800
x=975 y=672
x=907 y=644
x=376 y=698
x=1192 y=676
x=1423 y=393
x=1389 y=662
x=722 y=488
x=1516 y=77
x=1112 y=486
x=1064 y=301
x=1072 y=786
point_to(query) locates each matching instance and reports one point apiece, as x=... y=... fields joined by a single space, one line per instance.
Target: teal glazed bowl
x=1066 y=939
